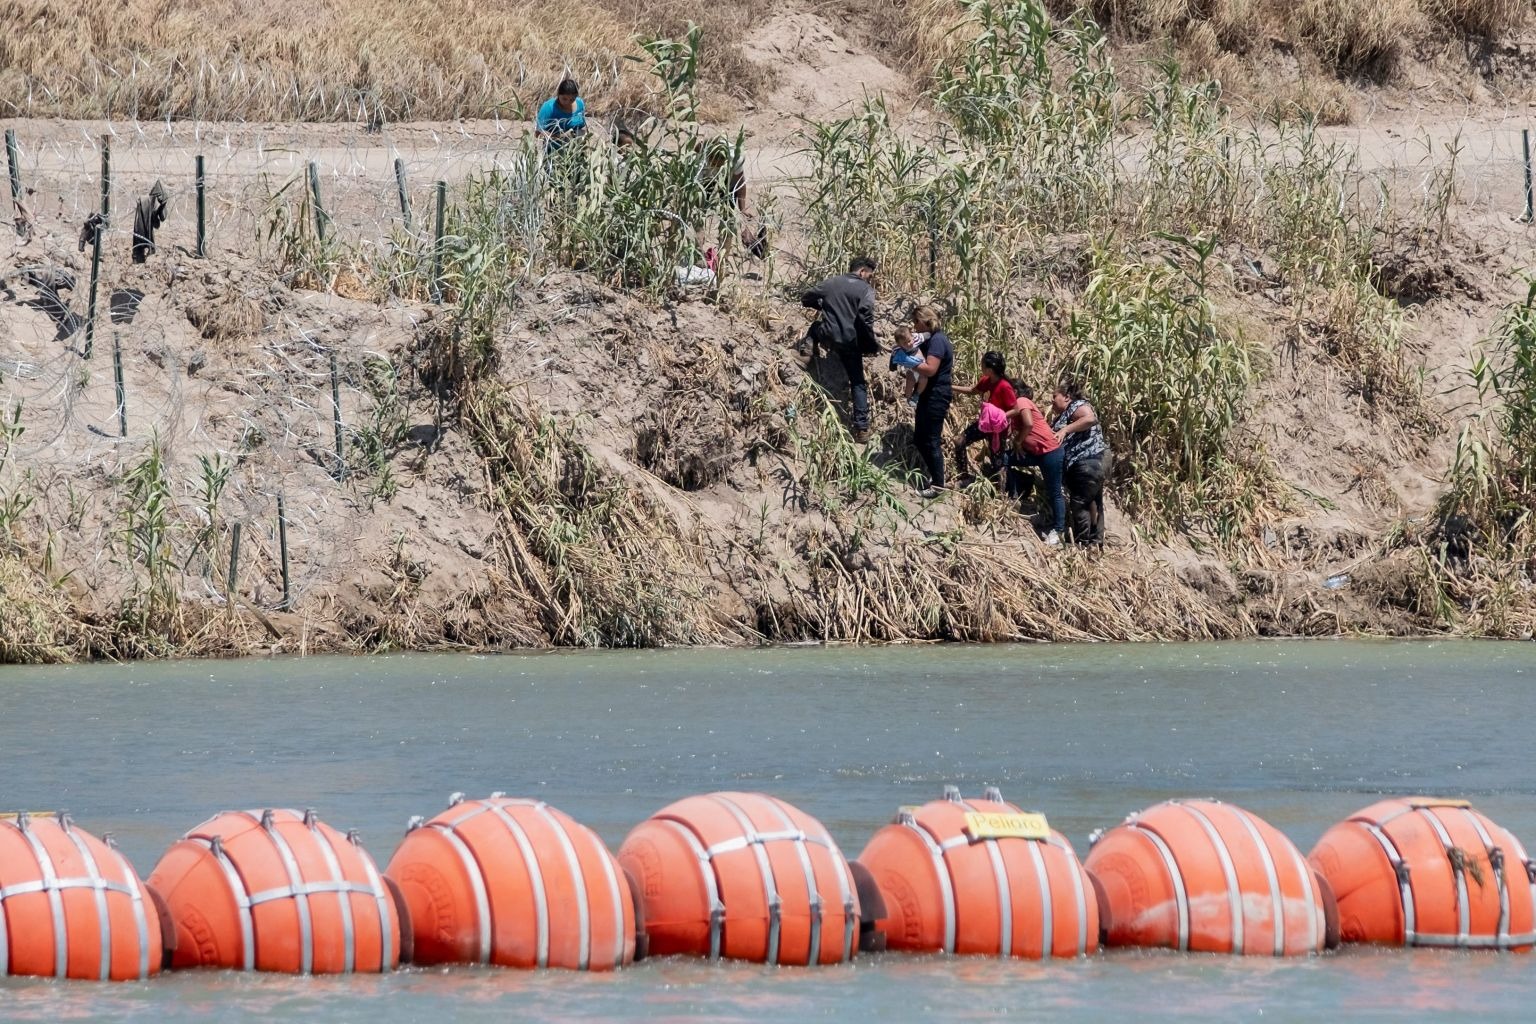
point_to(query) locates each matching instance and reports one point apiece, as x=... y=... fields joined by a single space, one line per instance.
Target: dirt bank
x=629 y=471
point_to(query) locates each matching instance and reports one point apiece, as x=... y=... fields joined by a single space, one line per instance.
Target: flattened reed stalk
x=980 y=591
x=41 y=625
x=590 y=553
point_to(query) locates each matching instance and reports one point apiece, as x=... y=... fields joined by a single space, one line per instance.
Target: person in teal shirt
x=562 y=116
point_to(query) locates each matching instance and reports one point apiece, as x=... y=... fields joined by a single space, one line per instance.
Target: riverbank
x=560 y=454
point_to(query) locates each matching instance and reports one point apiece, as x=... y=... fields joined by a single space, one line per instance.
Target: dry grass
x=39 y=623
x=334 y=60
x=1364 y=38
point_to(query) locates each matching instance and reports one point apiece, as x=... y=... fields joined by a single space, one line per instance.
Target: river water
x=1302 y=733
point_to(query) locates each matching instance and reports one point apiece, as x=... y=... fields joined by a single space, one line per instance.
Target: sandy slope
x=219 y=359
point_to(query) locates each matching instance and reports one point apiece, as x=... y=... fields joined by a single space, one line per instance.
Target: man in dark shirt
x=847 y=327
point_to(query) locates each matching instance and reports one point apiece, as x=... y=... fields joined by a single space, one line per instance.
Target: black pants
x=1084 y=483
x=928 y=435
x=992 y=462
x=853 y=366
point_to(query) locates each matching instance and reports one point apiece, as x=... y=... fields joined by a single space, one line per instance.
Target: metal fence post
x=314 y=191
x=90 y=309
x=341 y=459
x=405 y=199
x=232 y=581
x=437 y=243
x=106 y=178
x=201 y=182
x=13 y=166
x=122 y=392
x=282 y=551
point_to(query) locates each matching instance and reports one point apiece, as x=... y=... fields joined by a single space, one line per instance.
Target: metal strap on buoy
x=296 y=888
x=477 y=883
x=215 y=845
x=54 y=886
x=1496 y=862
x=1317 y=927
x=1399 y=868
x=908 y=820
x=1517 y=850
x=611 y=875
x=97 y=883
x=344 y=901
x=754 y=840
x=1181 y=895
x=1228 y=872
x=583 y=914
x=386 y=947
x=999 y=873
x=1463 y=910
x=846 y=889
x=711 y=884
x=813 y=892
x=1078 y=893
x=1272 y=876
x=50 y=883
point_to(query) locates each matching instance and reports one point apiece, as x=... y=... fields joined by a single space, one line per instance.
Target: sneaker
x=930 y=492
x=1052 y=539
x=860 y=436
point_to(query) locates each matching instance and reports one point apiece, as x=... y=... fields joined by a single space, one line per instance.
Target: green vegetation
x=1054 y=171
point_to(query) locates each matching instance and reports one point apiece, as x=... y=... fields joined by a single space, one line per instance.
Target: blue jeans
x=1051 y=465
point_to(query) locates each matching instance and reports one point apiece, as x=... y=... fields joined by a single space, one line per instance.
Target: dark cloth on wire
x=91 y=230
x=148 y=214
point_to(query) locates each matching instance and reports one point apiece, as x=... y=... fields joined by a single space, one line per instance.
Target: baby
x=908 y=356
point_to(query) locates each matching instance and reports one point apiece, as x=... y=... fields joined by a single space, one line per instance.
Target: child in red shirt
x=994 y=384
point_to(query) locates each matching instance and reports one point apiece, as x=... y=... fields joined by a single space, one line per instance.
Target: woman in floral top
x=1087 y=460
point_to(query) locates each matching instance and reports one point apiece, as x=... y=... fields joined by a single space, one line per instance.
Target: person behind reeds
x=1086 y=460
x=562 y=117
x=1035 y=444
x=906 y=357
x=725 y=181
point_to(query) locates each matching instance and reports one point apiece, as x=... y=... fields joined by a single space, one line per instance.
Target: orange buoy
x=277 y=890
x=1419 y=871
x=1209 y=877
x=71 y=906
x=516 y=883
x=744 y=876
x=981 y=877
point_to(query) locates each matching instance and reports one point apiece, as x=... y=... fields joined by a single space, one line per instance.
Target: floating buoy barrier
x=277 y=890
x=515 y=883
x=1203 y=876
x=1420 y=871
x=71 y=906
x=981 y=877
x=743 y=876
